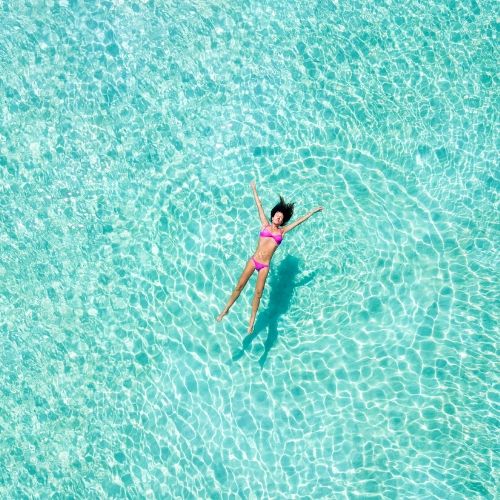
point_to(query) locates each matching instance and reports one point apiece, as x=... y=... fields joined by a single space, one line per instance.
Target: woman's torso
x=266 y=246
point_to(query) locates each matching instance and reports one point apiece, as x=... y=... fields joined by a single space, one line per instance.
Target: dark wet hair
x=285 y=208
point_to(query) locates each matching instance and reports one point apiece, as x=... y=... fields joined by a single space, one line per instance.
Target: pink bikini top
x=277 y=237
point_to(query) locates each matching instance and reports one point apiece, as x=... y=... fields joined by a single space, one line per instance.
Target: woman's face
x=278 y=218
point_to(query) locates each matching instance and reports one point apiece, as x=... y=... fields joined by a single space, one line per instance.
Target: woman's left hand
x=317 y=209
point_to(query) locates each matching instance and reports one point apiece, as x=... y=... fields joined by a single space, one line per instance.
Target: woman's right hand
x=252 y=184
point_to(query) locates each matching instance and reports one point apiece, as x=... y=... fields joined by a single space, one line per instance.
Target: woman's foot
x=221 y=315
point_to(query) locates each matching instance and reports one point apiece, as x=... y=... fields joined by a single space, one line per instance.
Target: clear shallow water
x=129 y=135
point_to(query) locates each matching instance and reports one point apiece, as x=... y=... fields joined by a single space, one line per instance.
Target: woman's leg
x=259 y=289
x=245 y=275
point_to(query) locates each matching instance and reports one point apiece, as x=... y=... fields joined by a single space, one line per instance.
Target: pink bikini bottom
x=259 y=265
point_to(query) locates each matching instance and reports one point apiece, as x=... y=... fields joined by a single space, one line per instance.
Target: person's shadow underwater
x=282 y=284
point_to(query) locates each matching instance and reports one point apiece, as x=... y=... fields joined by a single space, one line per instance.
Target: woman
x=270 y=237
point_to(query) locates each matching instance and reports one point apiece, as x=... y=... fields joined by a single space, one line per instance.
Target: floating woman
x=270 y=237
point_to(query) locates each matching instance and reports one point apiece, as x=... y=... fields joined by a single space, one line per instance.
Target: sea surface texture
x=129 y=135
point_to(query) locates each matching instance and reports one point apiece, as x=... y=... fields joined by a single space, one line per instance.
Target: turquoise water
x=129 y=135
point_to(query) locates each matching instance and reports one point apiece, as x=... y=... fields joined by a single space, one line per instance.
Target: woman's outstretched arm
x=300 y=220
x=262 y=216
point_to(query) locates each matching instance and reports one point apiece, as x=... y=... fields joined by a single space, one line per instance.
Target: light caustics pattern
x=130 y=132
